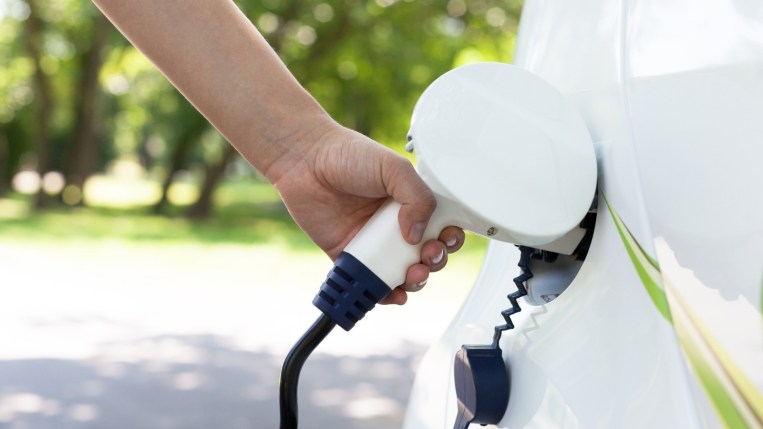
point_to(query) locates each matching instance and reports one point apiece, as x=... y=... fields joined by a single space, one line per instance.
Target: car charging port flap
x=482 y=385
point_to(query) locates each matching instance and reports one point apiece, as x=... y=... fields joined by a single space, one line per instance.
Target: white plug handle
x=380 y=246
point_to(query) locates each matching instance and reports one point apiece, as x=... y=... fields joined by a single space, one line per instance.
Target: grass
x=246 y=212
x=262 y=220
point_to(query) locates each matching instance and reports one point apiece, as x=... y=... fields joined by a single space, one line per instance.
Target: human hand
x=334 y=179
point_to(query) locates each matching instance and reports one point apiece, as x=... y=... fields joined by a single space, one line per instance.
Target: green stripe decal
x=647 y=268
x=719 y=398
x=735 y=398
x=723 y=405
x=725 y=384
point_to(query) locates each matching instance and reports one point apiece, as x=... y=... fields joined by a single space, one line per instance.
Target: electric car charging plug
x=478 y=132
x=350 y=291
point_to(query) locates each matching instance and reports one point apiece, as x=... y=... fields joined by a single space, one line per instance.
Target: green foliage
x=365 y=61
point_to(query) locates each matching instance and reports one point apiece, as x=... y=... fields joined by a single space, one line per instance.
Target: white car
x=660 y=326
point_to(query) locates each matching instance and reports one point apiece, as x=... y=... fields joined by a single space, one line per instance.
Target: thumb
x=418 y=202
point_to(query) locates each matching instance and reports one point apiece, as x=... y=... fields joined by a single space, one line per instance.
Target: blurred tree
x=83 y=151
x=367 y=62
x=202 y=208
x=194 y=125
x=5 y=176
x=43 y=97
x=51 y=87
x=78 y=96
x=15 y=90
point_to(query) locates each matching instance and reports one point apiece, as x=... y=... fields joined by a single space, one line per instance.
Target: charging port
x=554 y=272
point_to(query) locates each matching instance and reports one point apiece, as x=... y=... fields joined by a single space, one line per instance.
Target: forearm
x=211 y=52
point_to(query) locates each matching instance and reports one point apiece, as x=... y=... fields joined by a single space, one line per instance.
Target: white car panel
x=662 y=326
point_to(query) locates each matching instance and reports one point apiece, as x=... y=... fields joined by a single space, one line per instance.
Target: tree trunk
x=144 y=156
x=43 y=100
x=84 y=151
x=194 y=127
x=202 y=208
x=5 y=164
x=177 y=162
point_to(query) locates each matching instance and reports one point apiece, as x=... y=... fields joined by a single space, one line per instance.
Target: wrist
x=294 y=143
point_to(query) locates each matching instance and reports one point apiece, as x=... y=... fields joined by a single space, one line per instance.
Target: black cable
x=293 y=365
x=526 y=254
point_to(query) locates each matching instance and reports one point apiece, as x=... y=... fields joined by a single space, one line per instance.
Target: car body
x=661 y=327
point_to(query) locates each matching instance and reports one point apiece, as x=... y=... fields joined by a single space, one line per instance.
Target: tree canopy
x=80 y=100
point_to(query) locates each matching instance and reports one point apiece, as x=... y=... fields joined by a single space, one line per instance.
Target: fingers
x=417 y=200
x=453 y=238
x=397 y=296
x=434 y=257
x=416 y=278
x=434 y=254
x=418 y=274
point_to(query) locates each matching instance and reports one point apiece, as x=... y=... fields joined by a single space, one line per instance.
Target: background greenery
x=95 y=142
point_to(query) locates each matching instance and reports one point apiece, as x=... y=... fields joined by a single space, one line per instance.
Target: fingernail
x=418 y=286
x=451 y=242
x=438 y=258
x=416 y=232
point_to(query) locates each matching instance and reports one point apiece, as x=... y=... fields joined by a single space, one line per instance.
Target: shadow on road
x=201 y=382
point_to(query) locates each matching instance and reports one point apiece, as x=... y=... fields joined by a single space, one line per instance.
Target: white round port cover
x=508 y=147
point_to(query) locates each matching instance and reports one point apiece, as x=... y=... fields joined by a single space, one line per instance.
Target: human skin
x=331 y=179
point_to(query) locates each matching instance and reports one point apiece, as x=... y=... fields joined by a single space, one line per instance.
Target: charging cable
x=349 y=292
x=292 y=366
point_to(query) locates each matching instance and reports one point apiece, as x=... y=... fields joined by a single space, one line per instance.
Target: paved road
x=222 y=387
x=117 y=335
